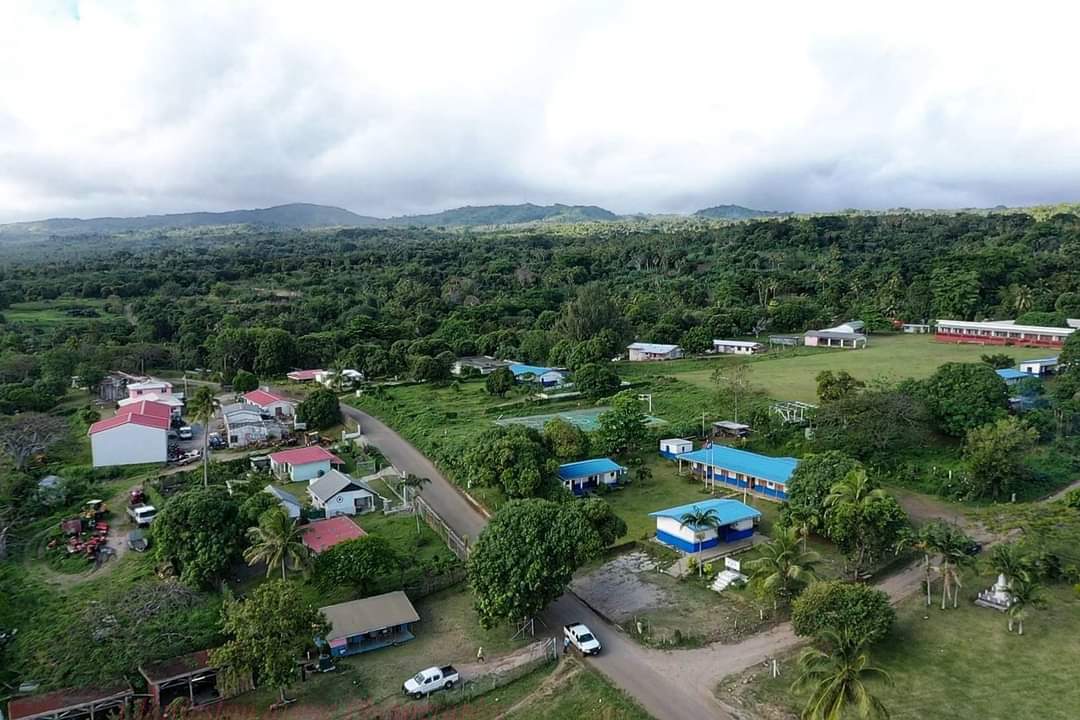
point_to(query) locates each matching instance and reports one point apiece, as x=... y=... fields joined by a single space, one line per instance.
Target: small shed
x=915 y=328
x=673 y=447
x=1011 y=376
x=737 y=347
x=289 y=502
x=643 y=351
x=785 y=340
x=93 y=703
x=371 y=623
x=187 y=677
x=729 y=428
x=1040 y=367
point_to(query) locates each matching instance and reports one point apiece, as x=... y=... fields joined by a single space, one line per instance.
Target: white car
x=142 y=515
x=429 y=680
x=581 y=637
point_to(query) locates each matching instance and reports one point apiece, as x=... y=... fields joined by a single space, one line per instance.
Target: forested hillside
x=378 y=299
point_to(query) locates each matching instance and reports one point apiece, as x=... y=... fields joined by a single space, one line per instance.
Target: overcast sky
x=120 y=107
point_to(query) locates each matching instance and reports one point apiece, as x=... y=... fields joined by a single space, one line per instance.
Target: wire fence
x=455 y=542
x=544 y=652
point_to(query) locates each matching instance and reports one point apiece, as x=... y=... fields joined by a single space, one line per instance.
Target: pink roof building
x=145 y=413
x=321 y=535
x=306 y=463
x=302 y=375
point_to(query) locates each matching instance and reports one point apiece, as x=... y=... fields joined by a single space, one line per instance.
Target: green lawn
x=586 y=694
x=789 y=375
x=53 y=313
x=964 y=664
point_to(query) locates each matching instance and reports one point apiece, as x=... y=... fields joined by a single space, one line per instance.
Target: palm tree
x=837 y=680
x=953 y=546
x=338 y=368
x=858 y=492
x=201 y=407
x=698 y=519
x=926 y=541
x=783 y=566
x=1026 y=594
x=413 y=483
x=1009 y=561
x=278 y=542
x=803 y=520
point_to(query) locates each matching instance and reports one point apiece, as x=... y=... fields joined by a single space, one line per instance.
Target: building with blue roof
x=545 y=376
x=734 y=521
x=1039 y=367
x=582 y=476
x=762 y=475
x=1011 y=376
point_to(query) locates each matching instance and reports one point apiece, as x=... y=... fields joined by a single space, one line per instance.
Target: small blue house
x=1011 y=376
x=370 y=623
x=580 y=477
x=735 y=521
x=765 y=476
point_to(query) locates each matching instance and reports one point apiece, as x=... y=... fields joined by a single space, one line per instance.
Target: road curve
x=637 y=670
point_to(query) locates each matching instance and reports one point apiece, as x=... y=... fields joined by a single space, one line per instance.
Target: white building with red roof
x=303 y=375
x=138 y=433
x=270 y=403
x=302 y=464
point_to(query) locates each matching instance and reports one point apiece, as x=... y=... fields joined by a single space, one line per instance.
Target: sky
x=120 y=107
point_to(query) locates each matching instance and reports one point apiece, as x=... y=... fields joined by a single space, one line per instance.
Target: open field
x=53 y=313
x=963 y=661
x=789 y=375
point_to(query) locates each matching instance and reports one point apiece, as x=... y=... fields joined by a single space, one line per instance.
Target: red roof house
x=270 y=403
x=306 y=463
x=322 y=535
x=302 y=375
x=138 y=433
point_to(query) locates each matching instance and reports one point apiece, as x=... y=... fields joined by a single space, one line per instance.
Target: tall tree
x=320 y=409
x=836 y=679
x=623 y=428
x=862 y=519
x=962 y=396
x=278 y=542
x=839 y=385
x=700 y=519
x=201 y=407
x=360 y=563
x=734 y=386
x=199 y=532
x=994 y=454
x=27 y=434
x=783 y=566
x=267 y=633
x=1025 y=594
x=862 y=611
x=596 y=381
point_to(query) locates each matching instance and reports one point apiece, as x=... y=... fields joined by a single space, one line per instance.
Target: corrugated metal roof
x=304 y=456
x=776 y=469
x=282 y=495
x=71 y=698
x=654 y=348
x=585 y=468
x=519 y=369
x=334 y=482
x=176 y=667
x=727 y=511
x=1041 y=361
x=369 y=614
x=300 y=375
x=1012 y=374
x=321 y=535
x=262 y=398
x=159 y=423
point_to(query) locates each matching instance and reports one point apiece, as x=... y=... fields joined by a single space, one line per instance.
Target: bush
x=838 y=605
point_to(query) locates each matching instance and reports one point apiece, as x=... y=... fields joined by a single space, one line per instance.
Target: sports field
x=790 y=375
x=588 y=420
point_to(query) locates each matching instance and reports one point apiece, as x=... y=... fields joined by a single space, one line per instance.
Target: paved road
x=630 y=666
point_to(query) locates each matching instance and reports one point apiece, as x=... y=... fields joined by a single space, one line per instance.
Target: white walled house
x=341 y=494
x=139 y=433
x=673 y=447
x=271 y=404
x=641 y=352
x=1041 y=367
x=302 y=464
x=737 y=347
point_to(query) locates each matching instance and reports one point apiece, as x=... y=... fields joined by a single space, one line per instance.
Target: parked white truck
x=581 y=637
x=428 y=681
x=142 y=515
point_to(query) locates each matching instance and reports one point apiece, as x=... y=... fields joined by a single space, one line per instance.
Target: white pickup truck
x=582 y=638
x=428 y=681
x=142 y=514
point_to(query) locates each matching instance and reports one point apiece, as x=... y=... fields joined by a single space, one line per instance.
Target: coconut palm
x=277 y=541
x=836 y=680
x=201 y=407
x=1026 y=594
x=698 y=519
x=803 y=520
x=856 y=489
x=337 y=369
x=783 y=566
x=952 y=544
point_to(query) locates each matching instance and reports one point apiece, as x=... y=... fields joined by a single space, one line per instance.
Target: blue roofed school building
x=585 y=475
x=1040 y=367
x=735 y=521
x=719 y=465
x=1011 y=376
x=544 y=376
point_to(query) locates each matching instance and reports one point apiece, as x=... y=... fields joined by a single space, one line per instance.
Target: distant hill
x=293 y=215
x=508 y=215
x=736 y=212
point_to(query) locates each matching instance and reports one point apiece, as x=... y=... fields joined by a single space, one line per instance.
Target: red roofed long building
x=139 y=433
x=321 y=535
x=96 y=703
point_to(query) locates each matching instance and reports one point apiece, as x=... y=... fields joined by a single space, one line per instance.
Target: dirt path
x=563 y=673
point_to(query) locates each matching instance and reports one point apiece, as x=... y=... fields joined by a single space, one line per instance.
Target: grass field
x=965 y=665
x=790 y=375
x=53 y=313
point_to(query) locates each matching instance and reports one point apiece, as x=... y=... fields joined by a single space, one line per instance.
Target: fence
x=545 y=652
x=457 y=545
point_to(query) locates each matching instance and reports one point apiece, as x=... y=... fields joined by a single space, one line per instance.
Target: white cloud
x=128 y=107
